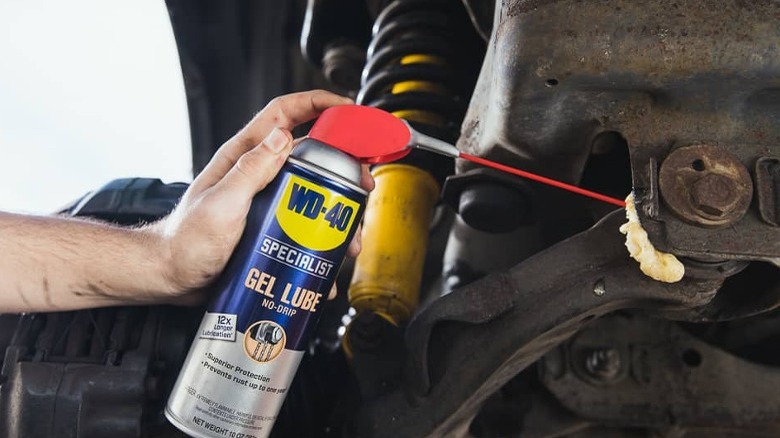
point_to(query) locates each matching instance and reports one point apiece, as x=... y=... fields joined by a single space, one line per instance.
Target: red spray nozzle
x=369 y=134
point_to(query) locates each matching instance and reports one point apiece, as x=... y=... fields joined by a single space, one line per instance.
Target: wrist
x=164 y=272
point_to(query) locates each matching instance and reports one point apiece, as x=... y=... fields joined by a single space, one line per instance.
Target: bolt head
x=714 y=195
x=705 y=185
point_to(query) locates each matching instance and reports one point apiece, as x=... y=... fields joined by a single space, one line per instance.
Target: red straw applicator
x=375 y=136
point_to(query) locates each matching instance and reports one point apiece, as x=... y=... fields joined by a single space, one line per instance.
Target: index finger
x=284 y=112
x=366 y=179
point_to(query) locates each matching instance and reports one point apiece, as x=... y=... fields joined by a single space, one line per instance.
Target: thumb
x=258 y=167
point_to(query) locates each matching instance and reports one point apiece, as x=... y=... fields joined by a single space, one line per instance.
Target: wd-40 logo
x=315 y=217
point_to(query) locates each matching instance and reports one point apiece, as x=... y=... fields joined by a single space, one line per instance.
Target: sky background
x=90 y=91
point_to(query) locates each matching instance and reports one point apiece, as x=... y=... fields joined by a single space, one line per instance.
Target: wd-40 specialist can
x=269 y=297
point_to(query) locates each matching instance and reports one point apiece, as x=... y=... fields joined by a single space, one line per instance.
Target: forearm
x=54 y=263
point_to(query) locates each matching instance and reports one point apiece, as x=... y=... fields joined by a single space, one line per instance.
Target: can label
x=253 y=336
x=308 y=203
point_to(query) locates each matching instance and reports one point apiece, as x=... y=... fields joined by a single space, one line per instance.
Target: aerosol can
x=254 y=333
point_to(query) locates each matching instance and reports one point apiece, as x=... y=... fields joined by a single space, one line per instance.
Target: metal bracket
x=466 y=345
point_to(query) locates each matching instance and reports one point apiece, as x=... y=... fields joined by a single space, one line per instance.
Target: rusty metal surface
x=768 y=189
x=751 y=238
x=663 y=74
x=705 y=185
x=669 y=378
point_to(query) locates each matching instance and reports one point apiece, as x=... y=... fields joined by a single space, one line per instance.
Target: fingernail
x=276 y=141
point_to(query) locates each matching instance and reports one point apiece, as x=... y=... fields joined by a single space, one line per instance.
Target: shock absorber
x=422 y=64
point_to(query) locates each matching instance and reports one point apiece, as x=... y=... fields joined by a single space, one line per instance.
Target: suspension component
x=388 y=285
x=422 y=64
x=334 y=38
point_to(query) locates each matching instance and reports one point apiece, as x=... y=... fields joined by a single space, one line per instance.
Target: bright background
x=90 y=90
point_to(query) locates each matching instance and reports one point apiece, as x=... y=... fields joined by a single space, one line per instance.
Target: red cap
x=369 y=134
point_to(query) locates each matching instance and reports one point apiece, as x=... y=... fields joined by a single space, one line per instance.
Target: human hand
x=199 y=236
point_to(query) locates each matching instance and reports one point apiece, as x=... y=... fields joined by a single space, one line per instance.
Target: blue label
x=297 y=233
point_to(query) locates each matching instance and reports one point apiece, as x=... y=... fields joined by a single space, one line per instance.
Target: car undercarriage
x=482 y=305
